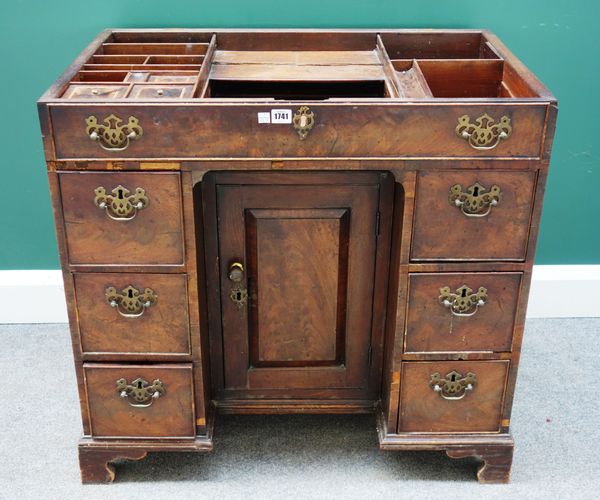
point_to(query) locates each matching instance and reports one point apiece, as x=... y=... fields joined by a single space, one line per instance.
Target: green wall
x=557 y=39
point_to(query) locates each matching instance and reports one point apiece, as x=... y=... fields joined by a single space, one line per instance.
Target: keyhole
x=463 y=293
x=238 y=296
x=130 y=294
x=120 y=194
x=476 y=191
x=453 y=378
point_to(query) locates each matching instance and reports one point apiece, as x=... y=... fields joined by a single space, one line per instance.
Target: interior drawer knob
x=130 y=303
x=112 y=134
x=463 y=302
x=453 y=386
x=140 y=394
x=121 y=205
x=485 y=133
x=476 y=200
x=304 y=121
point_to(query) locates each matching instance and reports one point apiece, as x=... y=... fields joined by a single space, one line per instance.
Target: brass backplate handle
x=304 y=121
x=130 y=303
x=112 y=134
x=121 y=205
x=476 y=200
x=485 y=133
x=140 y=394
x=453 y=386
x=463 y=302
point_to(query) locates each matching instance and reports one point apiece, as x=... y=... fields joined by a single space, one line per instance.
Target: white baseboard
x=556 y=292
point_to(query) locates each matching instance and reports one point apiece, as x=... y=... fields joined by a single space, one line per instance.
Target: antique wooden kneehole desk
x=297 y=222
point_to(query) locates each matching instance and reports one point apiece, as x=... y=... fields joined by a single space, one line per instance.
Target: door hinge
x=370 y=355
x=377 y=222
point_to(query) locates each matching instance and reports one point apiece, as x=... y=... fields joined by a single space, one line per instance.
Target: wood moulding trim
x=44 y=288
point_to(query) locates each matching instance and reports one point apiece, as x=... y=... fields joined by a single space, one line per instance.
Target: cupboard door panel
x=308 y=254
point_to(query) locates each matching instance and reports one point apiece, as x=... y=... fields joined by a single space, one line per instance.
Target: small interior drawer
x=121 y=402
x=133 y=315
x=444 y=314
x=472 y=215
x=435 y=396
x=109 y=228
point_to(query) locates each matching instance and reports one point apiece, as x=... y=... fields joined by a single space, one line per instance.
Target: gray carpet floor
x=555 y=424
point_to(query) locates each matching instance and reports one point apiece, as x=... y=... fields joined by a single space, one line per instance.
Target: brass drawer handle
x=477 y=201
x=304 y=121
x=139 y=393
x=484 y=133
x=453 y=386
x=463 y=302
x=130 y=303
x=120 y=205
x=111 y=135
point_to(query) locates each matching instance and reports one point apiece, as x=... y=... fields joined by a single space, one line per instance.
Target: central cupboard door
x=297 y=263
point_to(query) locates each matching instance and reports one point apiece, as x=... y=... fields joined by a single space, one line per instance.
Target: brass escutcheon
x=304 y=121
x=111 y=134
x=453 y=386
x=239 y=296
x=477 y=201
x=139 y=393
x=463 y=302
x=120 y=205
x=485 y=133
x=130 y=303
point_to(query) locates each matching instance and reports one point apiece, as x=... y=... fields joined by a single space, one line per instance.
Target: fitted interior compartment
x=410 y=80
x=438 y=45
x=173 y=62
x=294 y=66
x=462 y=78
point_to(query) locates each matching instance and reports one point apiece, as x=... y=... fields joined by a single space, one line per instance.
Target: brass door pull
x=139 y=393
x=485 y=133
x=120 y=205
x=463 y=302
x=130 y=303
x=238 y=294
x=453 y=386
x=476 y=201
x=111 y=134
x=236 y=272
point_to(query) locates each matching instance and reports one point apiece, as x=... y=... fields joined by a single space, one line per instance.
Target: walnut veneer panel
x=433 y=327
x=162 y=328
x=424 y=410
x=443 y=232
x=169 y=416
x=153 y=236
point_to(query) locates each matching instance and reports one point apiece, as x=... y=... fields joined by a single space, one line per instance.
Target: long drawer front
x=323 y=130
